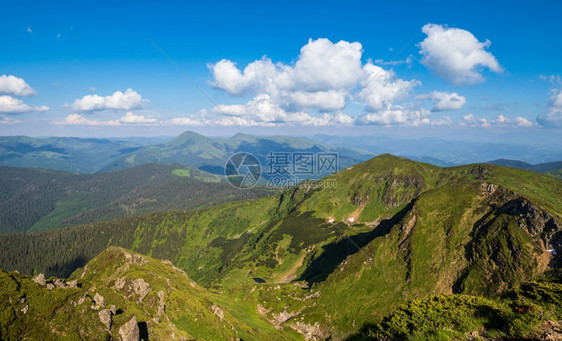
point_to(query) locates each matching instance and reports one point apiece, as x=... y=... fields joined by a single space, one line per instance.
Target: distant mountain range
x=447 y=152
x=87 y=155
x=395 y=249
x=211 y=154
x=190 y=149
x=551 y=168
x=71 y=154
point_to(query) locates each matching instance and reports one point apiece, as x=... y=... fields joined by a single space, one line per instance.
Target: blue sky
x=484 y=70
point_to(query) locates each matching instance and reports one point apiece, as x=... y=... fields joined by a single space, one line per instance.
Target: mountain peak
x=242 y=137
x=189 y=137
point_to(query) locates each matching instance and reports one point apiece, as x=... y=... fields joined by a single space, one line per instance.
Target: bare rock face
x=141 y=288
x=130 y=330
x=551 y=331
x=59 y=283
x=310 y=332
x=40 y=279
x=106 y=318
x=161 y=305
x=218 y=311
x=99 y=301
x=120 y=283
x=72 y=284
x=81 y=300
x=50 y=286
x=284 y=316
x=135 y=259
x=136 y=289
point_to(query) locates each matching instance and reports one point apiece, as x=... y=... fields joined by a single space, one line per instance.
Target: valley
x=420 y=231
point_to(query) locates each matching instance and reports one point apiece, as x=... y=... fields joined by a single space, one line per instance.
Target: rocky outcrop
x=539 y=223
x=284 y=316
x=130 y=330
x=141 y=288
x=72 y=284
x=531 y=218
x=135 y=259
x=99 y=302
x=551 y=331
x=59 y=283
x=310 y=332
x=55 y=283
x=135 y=289
x=218 y=311
x=161 y=305
x=40 y=279
x=487 y=189
x=105 y=316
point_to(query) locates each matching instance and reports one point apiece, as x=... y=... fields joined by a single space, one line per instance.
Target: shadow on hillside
x=64 y=270
x=143 y=331
x=335 y=253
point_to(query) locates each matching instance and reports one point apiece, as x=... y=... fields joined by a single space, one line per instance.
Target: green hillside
x=34 y=199
x=555 y=173
x=117 y=287
x=337 y=261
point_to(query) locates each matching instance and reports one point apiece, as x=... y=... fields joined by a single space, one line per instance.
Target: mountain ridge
x=391 y=230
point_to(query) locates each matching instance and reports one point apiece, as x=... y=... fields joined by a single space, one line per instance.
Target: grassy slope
x=447 y=317
x=420 y=231
x=188 y=312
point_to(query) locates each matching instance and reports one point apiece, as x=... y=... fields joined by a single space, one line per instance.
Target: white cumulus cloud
x=15 y=86
x=262 y=111
x=8 y=120
x=518 y=121
x=553 y=116
x=500 y=121
x=76 y=119
x=127 y=100
x=444 y=100
x=470 y=120
x=456 y=54
x=12 y=105
x=129 y=118
x=397 y=115
x=322 y=77
x=382 y=87
x=187 y=121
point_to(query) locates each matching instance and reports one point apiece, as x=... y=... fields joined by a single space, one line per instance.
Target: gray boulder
x=105 y=318
x=59 y=283
x=40 y=279
x=130 y=330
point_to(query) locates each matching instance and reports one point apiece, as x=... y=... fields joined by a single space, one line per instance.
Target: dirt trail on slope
x=290 y=275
